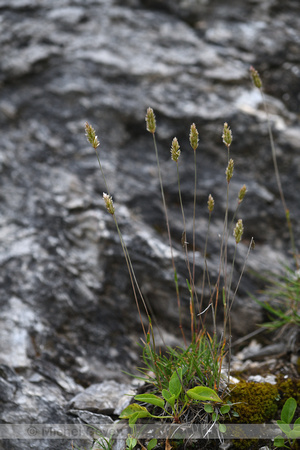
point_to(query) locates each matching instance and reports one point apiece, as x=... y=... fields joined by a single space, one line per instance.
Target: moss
x=288 y=388
x=256 y=402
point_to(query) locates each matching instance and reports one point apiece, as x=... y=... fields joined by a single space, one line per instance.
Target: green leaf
x=285 y=428
x=208 y=408
x=203 y=393
x=294 y=434
x=150 y=398
x=132 y=409
x=225 y=409
x=222 y=428
x=175 y=386
x=215 y=416
x=288 y=410
x=138 y=415
x=131 y=442
x=166 y=394
x=151 y=444
x=279 y=441
x=168 y=397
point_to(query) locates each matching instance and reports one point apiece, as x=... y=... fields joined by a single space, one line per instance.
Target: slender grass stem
x=205 y=271
x=278 y=181
x=194 y=244
x=168 y=229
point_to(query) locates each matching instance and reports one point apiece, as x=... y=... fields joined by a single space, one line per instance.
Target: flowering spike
x=194 y=137
x=255 y=78
x=210 y=203
x=109 y=203
x=229 y=170
x=91 y=136
x=242 y=193
x=150 y=120
x=238 y=231
x=227 y=135
x=175 y=150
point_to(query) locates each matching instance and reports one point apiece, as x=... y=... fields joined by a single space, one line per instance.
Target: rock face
x=68 y=316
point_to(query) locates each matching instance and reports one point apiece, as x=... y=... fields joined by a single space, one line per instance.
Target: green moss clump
x=256 y=402
x=288 y=388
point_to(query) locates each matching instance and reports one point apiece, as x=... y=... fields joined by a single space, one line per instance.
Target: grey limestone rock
x=68 y=319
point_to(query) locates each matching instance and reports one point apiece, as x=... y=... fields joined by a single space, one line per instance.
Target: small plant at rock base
x=291 y=433
x=283 y=299
x=187 y=380
x=174 y=401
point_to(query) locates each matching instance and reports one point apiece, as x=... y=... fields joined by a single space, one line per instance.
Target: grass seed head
x=255 y=78
x=175 y=150
x=150 y=120
x=238 y=231
x=91 y=136
x=194 y=137
x=229 y=170
x=227 y=135
x=242 y=193
x=109 y=203
x=210 y=203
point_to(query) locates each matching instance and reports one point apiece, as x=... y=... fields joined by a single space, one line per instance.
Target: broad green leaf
x=297 y=422
x=166 y=394
x=168 y=397
x=284 y=427
x=279 y=441
x=222 y=428
x=151 y=444
x=138 y=415
x=215 y=416
x=208 y=408
x=288 y=410
x=225 y=409
x=150 y=398
x=294 y=434
x=175 y=386
x=203 y=393
x=132 y=409
x=131 y=442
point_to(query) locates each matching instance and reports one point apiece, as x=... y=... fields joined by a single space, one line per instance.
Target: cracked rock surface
x=68 y=318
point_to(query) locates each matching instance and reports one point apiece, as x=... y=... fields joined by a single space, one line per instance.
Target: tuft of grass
x=283 y=291
x=199 y=363
x=283 y=299
x=187 y=383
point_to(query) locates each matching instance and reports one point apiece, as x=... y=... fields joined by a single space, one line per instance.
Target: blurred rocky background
x=68 y=317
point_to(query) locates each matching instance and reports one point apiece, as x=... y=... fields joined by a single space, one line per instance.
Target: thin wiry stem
x=184 y=237
x=194 y=243
x=278 y=181
x=232 y=301
x=131 y=272
x=167 y=225
x=205 y=271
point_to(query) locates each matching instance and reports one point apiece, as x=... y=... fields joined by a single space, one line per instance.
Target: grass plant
x=188 y=383
x=283 y=299
x=199 y=363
